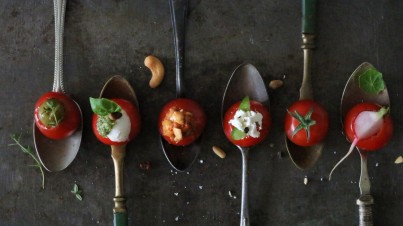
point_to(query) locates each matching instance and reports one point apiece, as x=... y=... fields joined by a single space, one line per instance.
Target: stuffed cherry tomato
x=57 y=116
x=380 y=137
x=306 y=123
x=115 y=121
x=181 y=121
x=246 y=123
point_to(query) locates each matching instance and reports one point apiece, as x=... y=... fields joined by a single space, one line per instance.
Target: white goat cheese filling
x=121 y=130
x=251 y=120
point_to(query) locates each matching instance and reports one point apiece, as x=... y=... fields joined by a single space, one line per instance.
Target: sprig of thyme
x=27 y=150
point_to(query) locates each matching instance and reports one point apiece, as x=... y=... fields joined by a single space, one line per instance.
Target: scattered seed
x=399 y=160
x=176 y=218
x=200 y=187
x=176 y=193
x=230 y=194
x=201 y=161
x=275 y=84
x=377 y=164
x=305 y=180
x=218 y=151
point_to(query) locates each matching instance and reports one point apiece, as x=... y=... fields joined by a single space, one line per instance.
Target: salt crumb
x=187 y=203
x=377 y=164
x=284 y=76
x=176 y=193
x=187 y=172
x=201 y=161
x=176 y=218
x=305 y=180
x=200 y=187
x=271 y=145
x=234 y=197
x=321 y=179
x=334 y=152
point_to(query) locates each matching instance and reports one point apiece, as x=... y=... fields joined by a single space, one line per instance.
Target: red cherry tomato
x=192 y=127
x=135 y=122
x=317 y=129
x=248 y=140
x=70 y=121
x=376 y=141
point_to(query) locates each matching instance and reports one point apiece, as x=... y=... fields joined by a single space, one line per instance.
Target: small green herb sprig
x=77 y=192
x=27 y=150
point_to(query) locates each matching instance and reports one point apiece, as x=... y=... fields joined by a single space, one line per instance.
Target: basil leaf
x=245 y=104
x=371 y=81
x=103 y=107
x=237 y=134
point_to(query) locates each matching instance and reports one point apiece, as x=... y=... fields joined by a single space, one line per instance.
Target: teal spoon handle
x=308 y=16
x=120 y=219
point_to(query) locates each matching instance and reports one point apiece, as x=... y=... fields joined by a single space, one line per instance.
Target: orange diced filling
x=177 y=124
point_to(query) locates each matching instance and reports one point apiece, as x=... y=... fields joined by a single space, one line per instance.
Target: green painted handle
x=308 y=16
x=120 y=219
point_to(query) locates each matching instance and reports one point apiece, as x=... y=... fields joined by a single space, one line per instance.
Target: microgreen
x=103 y=107
x=237 y=134
x=245 y=104
x=371 y=81
x=77 y=192
x=27 y=150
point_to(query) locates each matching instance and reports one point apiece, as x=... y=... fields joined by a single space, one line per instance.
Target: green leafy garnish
x=103 y=106
x=371 y=81
x=51 y=112
x=237 y=134
x=105 y=125
x=245 y=104
x=77 y=192
x=27 y=150
x=305 y=122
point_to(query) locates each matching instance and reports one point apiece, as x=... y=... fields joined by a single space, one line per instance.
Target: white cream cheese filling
x=248 y=119
x=121 y=130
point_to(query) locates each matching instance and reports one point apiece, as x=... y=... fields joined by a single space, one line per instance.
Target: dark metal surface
x=103 y=38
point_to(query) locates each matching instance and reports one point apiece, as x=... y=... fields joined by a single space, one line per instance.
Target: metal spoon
x=353 y=95
x=245 y=81
x=56 y=155
x=180 y=158
x=118 y=87
x=306 y=157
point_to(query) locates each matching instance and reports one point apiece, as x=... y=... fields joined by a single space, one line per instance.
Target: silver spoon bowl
x=56 y=155
x=245 y=81
x=180 y=158
x=306 y=157
x=353 y=95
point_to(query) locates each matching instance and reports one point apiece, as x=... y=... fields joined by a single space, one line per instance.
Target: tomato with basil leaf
x=56 y=115
x=383 y=126
x=246 y=123
x=306 y=123
x=181 y=121
x=115 y=121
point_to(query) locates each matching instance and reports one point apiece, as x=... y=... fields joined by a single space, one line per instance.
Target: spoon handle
x=60 y=10
x=365 y=203
x=178 y=10
x=308 y=36
x=119 y=211
x=244 y=201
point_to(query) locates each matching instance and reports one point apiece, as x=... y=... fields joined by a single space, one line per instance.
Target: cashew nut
x=157 y=70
